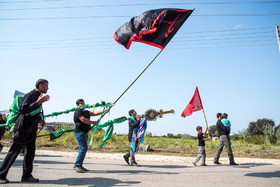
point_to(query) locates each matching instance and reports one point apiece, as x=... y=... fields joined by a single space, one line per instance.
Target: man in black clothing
x=82 y=127
x=224 y=141
x=2 y=130
x=133 y=123
x=25 y=131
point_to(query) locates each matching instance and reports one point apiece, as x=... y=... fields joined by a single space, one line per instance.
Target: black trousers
x=2 y=132
x=20 y=140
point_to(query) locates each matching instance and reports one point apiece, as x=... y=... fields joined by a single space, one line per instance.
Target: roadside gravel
x=155 y=158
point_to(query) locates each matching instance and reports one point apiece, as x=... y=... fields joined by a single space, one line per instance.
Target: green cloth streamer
x=14 y=112
x=96 y=126
x=59 y=133
x=110 y=129
x=75 y=108
x=107 y=135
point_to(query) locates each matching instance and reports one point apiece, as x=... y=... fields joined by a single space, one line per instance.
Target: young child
x=225 y=121
x=201 y=146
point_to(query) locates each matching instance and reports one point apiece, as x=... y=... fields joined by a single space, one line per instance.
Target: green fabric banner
x=14 y=112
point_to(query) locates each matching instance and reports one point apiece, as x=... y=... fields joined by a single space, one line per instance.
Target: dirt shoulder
x=152 y=157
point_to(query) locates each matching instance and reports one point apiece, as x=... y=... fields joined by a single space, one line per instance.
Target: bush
x=257 y=139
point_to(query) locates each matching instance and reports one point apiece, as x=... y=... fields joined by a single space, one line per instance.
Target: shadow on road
x=92 y=182
x=265 y=174
x=250 y=165
x=19 y=162
x=49 y=162
x=131 y=172
x=165 y=166
x=48 y=156
x=243 y=165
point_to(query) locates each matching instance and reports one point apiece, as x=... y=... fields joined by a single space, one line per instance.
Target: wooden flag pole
x=206 y=122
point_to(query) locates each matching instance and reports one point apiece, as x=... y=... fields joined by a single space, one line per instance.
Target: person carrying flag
x=133 y=124
x=201 y=146
x=82 y=127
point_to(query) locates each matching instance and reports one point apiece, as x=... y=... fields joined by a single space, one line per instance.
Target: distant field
x=160 y=145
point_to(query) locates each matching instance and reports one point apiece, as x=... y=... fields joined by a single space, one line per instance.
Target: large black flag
x=153 y=27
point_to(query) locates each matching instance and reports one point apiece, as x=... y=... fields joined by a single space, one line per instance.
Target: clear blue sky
x=225 y=49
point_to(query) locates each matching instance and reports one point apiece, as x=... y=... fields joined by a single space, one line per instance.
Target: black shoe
x=85 y=169
x=233 y=164
x=29 y=179
x=79 y=169
x=126 y=159
x=135 y=164
x=203 y=165
x=4 y=181
x=217 y=163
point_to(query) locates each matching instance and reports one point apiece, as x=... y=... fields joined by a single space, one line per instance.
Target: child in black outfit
x=201 y=146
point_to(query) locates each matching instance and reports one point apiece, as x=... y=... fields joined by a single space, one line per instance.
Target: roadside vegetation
x=260 y=140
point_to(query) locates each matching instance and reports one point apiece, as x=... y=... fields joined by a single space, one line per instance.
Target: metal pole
x=278 y=36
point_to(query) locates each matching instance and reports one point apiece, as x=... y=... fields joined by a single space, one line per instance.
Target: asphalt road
x=58 y=171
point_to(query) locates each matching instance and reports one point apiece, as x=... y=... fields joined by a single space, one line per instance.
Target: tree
x=260 y=126
x=178 y=136
x=170 y=135
x=277 y=128
x=213 y=131
x=149 y=134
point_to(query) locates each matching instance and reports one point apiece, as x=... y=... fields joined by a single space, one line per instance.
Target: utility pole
x=278 y=36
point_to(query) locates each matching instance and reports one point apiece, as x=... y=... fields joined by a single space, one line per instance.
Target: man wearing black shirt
x=224 y=141
x=25 y=132
x=82 y=127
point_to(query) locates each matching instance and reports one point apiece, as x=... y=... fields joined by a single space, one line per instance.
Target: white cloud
x=237 y=26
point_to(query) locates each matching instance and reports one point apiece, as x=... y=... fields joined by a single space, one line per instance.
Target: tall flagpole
x=206 y=122
x=138 y=76
x=103 y=114
x=134 y=81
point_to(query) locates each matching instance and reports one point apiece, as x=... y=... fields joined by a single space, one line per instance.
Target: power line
x=102 y=17
x=229 y=30
x=105 y=39
x=61 y=18
x=181 y=37
x=105 y=47
x=136 y=4
x=276 y=14
x=228 y=34
x=183 y=33
x=111 y=43
x=31 y=1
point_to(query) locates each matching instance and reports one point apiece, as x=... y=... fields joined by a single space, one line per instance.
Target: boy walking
x=201 y=146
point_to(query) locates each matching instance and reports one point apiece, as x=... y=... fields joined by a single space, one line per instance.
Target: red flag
x=194 y=105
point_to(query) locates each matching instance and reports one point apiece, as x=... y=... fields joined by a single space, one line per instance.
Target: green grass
x=179 y=146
